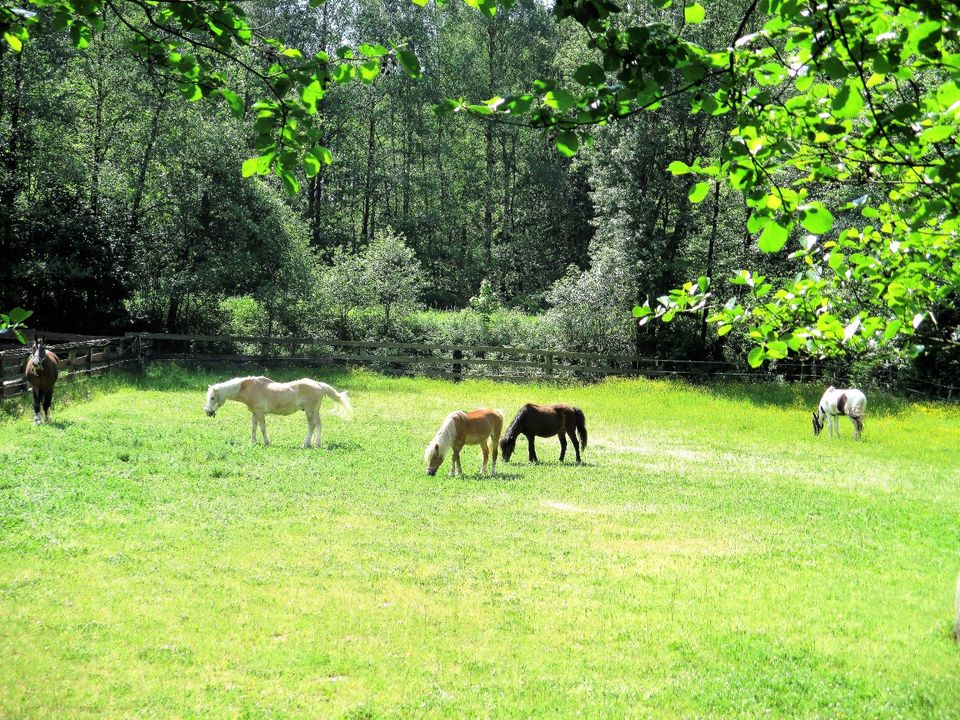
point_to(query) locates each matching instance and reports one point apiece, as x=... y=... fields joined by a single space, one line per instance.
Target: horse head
x=507 y=446
x=433 y=458
x=38 y=353
x=817 y=425
x=214 y=401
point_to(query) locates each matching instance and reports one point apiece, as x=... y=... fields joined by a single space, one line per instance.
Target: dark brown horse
x=546 y=421
x=41 y=372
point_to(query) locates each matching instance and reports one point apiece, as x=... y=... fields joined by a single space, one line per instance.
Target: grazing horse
x=546 y=421
x=465 y=428
x=836 y=402
x=41 y=372
x=263 y=396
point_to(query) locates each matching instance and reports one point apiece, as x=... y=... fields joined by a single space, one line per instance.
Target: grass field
x=711 y=559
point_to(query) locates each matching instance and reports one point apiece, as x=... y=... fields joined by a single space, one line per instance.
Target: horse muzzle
x=211 y=413
x=431 y=471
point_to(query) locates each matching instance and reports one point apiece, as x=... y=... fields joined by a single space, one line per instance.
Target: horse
x=956 y=623
x=41 y=373
x=836 y=402
x=465 y=428
x=546 y=421
x=264 y=396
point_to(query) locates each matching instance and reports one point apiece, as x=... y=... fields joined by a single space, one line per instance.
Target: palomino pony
x=42 y=370
x=264 y=396
x=836 y=402
x=465 y=428
x=546 y=421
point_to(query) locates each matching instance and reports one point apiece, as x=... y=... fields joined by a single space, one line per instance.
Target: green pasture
x=711 y=558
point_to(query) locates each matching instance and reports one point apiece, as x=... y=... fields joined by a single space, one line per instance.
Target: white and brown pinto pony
x=41 y=373
x=837 y=402
x=263 y=396
x=478 y=427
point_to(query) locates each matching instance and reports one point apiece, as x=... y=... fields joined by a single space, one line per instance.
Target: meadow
x=711 y=558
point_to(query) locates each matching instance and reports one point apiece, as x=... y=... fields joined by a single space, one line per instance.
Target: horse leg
x=317 y=427
x=495 y=446
x=563 y=444
x=47 y=401
x=486 y=455
x=253 y=429
x=263 y=429
x=533 y=450
x=576 y=444
x=306 y=443
x=36 y=406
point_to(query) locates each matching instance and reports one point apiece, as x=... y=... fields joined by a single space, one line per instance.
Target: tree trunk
x=709 y=272
x=145 y=160
x=367 y=227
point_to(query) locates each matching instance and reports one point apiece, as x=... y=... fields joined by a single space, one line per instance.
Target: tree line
x=125 y=205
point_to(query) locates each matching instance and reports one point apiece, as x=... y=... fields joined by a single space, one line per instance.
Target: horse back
x=477 y=425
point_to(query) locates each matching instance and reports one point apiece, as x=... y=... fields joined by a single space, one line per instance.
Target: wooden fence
x=87 y=357
x=452 y=361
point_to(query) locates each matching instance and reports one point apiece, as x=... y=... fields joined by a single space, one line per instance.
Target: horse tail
x=581 y=427
x=341 y=399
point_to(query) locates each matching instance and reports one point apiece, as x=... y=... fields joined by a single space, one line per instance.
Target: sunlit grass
x=711 y=558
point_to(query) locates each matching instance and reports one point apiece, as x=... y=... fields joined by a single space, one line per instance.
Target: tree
x=393 y=274
x=844 y=140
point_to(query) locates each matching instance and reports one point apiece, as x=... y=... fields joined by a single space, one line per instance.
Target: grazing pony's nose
x=211 y=413
x=431 y=471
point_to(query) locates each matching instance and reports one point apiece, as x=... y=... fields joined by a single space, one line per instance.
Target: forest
x=428 y=211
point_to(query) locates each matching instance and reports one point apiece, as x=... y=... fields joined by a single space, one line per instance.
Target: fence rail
x=445 y=360
x=86 y=357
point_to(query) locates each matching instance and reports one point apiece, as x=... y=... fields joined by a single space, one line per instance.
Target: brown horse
x=465 y=428
x=42 y=370
x=546 y=421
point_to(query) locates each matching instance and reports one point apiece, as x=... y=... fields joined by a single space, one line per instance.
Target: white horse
x=263 y=396
x=836 y=402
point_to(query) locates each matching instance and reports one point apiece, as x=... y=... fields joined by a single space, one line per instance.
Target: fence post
x=72 y=359
x=89 y=358
x=457 y=355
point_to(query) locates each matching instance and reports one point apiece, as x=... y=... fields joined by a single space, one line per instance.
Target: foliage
x=392 y=275
x=486 y=300
x=588 y=309
x=681 y=564
x=853 y=107
x=14 y=321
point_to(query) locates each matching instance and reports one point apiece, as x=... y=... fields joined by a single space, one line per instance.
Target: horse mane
x=444 y=438
x=512 y=431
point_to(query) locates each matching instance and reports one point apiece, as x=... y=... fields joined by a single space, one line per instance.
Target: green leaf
x=311 y=165
x=568 y=143
x=369 y=71
x=938 y=133
x=816 y=218
x=322 y=154
x=373 y=51
x=773 y=237
x=18 y=315
x=777 y=349
x=250 y=167
x=234 y=101
x=694 y=14
x=560 y=100
x=678 y=168
x=290 y=183
x=848 y=102
x=756 y=357
x=698 y=192
x=410 y=64
x=13 y=41
x=591 y=75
